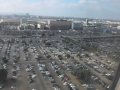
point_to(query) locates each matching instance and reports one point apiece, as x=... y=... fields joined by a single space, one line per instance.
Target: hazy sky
x=75 y=8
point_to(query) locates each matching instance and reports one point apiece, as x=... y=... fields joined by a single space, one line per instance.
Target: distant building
x=60 y=25
x=118 y=27
x=87 y=22
x=77 y=26
x=89 y=27
x=41 y=25
x=38 y=26
x=9 y=24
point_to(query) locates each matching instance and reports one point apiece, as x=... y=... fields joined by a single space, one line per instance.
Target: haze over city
x=73 y=8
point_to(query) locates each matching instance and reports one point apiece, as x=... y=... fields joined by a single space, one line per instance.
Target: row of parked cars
x=95 y=78
x=47 y=75
x=61 y=74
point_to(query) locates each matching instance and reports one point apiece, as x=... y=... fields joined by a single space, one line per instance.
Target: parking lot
x=27 y=70
x=46 y=62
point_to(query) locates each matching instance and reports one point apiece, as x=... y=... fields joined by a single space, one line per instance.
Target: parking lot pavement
x=47 y=72
x=63 y=69
x=21 y=81
x=103 y=78
x=39 y=83
x=56 y=79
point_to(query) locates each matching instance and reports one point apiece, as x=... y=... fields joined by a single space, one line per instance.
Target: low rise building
x=60 y=25
x=77 y=25
x=9 y=24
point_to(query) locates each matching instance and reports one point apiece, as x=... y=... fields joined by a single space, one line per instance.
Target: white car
x=33 y=89
x=28 y=69
x=33 y=76
x=85 y=85
x=65 y=83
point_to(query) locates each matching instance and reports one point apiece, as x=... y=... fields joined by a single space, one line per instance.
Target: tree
x=78 y=55
x=3 y=75
x=5 y=60
x=48 y=44
x=48 y=56
x=68 y=55
x=25 y=49
x=43 y=35
x=60 y=57
x=15 y=61
x=82 y=73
